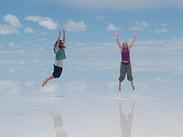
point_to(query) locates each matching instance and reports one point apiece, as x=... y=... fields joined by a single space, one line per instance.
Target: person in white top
x=59 y=59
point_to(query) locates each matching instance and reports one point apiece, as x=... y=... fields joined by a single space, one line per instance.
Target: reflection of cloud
x=30 y=83
x=126 y=120
x=46 y=22
x=9 y=86
x=50 y=88
x=67 y=86
x=143 y=86
x=75 y=86
x=11 y=26
x=112 y=85
x=11 y=44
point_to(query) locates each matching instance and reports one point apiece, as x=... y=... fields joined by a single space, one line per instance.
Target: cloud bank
x=46 y=22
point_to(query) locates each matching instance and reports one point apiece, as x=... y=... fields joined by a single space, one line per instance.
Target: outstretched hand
x=136 y=37
x=117 y=34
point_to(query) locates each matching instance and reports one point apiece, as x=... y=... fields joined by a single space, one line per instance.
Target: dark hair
x=125 y=43
x=61 y=44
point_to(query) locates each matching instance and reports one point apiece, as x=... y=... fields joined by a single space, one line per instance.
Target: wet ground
x=81 y=114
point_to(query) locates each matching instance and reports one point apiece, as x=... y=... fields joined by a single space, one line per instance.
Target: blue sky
x=29 y=28
x=91 y=22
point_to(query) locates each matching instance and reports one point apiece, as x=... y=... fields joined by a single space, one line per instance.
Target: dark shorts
x=125 y=69
x=57 y=71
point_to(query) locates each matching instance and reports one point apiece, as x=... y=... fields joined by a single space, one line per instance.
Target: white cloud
x=111 y=27
x=162 y=29
x=75 y=26
x=121 y=4
x=12 y=20
x=139 y=26
x=11 y=26
x=29 y=30
x=46 y=22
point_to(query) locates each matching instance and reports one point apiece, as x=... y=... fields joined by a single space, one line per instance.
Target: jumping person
x=59 y=58
x=125 y=67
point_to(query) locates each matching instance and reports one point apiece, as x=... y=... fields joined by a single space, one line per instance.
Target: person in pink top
x=125 y=67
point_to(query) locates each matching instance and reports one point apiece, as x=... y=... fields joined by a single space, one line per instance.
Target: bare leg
x=46 y=80
x=133 y=87
x=120 y=85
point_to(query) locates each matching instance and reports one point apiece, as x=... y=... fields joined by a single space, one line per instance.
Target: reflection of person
x=58 y=124
x=125 y=67
x=59 y=58
x=126 y=121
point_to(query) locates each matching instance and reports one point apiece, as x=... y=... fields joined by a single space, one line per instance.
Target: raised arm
x=133 y=42
x=59 y=35
x=64 y=39
x=56 y=46
x=117 y=40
